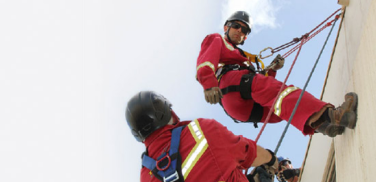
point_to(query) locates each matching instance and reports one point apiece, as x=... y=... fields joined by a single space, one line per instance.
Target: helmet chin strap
x=227 y=34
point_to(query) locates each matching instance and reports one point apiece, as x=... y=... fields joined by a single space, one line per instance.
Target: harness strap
x=257 y=63
x=256 y=114
x=226 y=68
x=232 y=88
x=245 y=91
x=165 y=168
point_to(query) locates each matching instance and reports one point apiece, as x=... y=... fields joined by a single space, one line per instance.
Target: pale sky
x=69 y=67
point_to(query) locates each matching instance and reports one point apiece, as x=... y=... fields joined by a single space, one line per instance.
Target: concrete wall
x=353 y=68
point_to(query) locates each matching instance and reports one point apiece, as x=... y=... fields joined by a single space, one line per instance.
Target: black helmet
x=146 y=112
x=241 y=16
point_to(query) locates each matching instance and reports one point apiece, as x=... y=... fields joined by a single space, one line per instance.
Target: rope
x=299 y=46
x=305 y=86
x=280 y=90
x=296 y=40
x=310 y=37
x=303 y=40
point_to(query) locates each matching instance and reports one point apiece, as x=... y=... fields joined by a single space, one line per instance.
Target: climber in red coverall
x=228 y=76
x=207 y=150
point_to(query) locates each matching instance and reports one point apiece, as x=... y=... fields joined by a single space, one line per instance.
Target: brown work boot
x=345 y=115
x=331 y=130
x=317 y=119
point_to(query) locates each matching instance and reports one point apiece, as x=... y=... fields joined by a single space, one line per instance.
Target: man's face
x=236 y=35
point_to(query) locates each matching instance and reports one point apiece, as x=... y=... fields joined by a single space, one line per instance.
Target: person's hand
x=272 y=166
x=277 y=63
x=281 y=177
x=265 y=172
x=213 y=95
x=260 y=174
x=273 y=169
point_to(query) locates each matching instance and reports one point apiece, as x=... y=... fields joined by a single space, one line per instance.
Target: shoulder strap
x=175 y=140
x=164 y=168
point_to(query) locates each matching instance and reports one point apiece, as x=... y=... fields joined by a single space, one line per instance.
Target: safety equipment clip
x=160 y=160
x=171 y=178
x=271 y=50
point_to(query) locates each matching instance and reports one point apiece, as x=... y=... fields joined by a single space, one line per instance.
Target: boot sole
x=349 y=118
x=334 y=130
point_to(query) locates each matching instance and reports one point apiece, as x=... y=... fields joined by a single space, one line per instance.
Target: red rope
x=308 y=38
x=280 y=90
x=305 y=38
x=324 y=21
x=296 y=40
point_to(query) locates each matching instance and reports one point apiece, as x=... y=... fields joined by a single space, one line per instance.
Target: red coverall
x=216 y=49
x=209 y=152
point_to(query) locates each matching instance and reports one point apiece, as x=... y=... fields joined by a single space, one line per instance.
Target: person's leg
x=311 y=112
x=264 y=91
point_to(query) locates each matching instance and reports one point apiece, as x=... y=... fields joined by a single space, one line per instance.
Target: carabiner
x=271 y=50
x=160 y=160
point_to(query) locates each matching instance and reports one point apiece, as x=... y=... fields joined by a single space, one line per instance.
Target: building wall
x=353 y=69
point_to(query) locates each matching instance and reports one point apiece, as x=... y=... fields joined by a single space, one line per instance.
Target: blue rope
x=301 y=94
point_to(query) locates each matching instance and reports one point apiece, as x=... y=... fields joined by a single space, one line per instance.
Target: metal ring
x=271 y=50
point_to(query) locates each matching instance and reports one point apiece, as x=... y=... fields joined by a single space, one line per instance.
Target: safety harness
x=167 y=167
x=244 y=88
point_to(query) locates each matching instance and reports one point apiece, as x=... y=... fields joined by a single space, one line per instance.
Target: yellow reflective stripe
x=206 y=63
x=197 y=150
x=229 y=46
x=278 y=104
x=197 y=131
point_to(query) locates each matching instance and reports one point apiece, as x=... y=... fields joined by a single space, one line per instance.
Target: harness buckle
x=161 y=160
x=171 y=178
x=219 y=72
x=236 y=67
x=226 y=68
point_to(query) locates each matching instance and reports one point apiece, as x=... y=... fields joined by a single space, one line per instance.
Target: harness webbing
x=162 y=169
x=243 y=88
x=231 y=88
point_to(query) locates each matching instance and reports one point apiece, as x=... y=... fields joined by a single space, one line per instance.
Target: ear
x=225 y=28
x=245 y=38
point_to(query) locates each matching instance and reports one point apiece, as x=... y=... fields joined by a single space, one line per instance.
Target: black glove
x=289 y=173
x=265 y=172
x=264 y=175
x=260 y=174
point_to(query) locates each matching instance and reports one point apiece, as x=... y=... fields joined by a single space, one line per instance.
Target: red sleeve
x=208 y=59
x=228 y=148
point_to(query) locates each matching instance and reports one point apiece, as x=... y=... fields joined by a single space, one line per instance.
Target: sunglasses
x=245 y=30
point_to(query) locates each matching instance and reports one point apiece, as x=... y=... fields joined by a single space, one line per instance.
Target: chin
x=236 y=42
